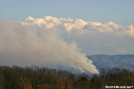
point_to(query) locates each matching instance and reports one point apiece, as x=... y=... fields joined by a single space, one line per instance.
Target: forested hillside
x=43 y=78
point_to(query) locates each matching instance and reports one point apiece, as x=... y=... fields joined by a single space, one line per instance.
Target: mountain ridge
x=119 y=60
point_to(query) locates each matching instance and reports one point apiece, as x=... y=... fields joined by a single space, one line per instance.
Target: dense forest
x=43 y=78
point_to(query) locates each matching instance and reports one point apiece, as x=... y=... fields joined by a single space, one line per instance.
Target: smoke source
x=30 y=45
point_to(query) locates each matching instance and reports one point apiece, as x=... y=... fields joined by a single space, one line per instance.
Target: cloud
x=90 y=36
x=29 y=44
x=131 y=30
x=80 y=25
x=29 y=18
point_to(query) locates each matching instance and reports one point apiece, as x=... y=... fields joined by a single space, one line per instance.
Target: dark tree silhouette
x=43 y=78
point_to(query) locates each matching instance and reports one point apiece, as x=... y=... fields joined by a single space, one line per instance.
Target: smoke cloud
x=26 y=45
x=56 y=42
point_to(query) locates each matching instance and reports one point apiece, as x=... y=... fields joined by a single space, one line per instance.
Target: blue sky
x=118 y=11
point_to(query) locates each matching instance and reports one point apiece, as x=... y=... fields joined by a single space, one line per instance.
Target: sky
x=120 y=12
x=63 y=32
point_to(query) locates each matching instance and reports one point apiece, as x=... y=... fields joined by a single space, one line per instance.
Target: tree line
x=35 y=77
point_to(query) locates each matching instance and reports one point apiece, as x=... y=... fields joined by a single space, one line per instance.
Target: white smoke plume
x=49 y=41
x=26 y=45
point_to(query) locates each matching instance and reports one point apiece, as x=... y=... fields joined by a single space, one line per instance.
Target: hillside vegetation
x=43 y=78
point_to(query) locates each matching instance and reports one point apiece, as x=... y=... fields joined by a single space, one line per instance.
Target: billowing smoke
x=26 y=45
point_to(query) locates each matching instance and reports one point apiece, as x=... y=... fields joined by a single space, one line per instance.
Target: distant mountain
x=120 y=61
